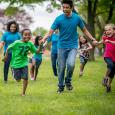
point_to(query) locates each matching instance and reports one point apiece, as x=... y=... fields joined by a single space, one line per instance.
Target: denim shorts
x=37 y=61
x=110 y=66
x=20 y=73
x=83 y=60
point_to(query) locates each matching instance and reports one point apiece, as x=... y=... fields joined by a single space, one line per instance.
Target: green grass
x=87 y=98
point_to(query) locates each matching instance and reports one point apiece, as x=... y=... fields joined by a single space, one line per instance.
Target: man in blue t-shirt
x=67 y=24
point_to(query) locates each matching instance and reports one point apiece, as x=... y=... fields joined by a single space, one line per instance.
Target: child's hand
x=41 y=41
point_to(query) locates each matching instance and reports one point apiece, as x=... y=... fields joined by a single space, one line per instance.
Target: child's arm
x=90 y=46
x=39 y=49
x=109 y=41
x=1 y=44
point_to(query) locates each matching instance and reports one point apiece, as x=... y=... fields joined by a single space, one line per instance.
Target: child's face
x=12 y=28
x=82 y=39
x=26 y=35
x=39 y=40
x=109 y=31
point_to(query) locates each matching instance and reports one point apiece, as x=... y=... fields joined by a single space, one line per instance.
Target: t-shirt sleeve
x=19 y=36
x=55 y=24
x=11 y=46
x=49 y=39
x=33 y=49
x=81 y=24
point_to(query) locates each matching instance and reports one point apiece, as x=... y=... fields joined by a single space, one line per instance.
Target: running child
x=109 y=54
x=19 y=61
x=36 y=60
x=84 y=53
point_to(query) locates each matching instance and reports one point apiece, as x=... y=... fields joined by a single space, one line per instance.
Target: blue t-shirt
x=68 y=37
x=54 y=40
x=9 y=38
x=37 y=56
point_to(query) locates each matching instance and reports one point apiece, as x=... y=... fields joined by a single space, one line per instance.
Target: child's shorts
x=83 y=60
x=20 y=73
x=110 y=66
x=37 y=61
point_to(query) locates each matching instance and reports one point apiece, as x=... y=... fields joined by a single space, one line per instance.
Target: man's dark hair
x=10 y=23
x=70 y=2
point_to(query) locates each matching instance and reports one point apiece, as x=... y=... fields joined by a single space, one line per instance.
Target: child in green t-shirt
x=19 y=62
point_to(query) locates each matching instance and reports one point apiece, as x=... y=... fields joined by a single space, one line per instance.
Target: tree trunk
x=91 y=27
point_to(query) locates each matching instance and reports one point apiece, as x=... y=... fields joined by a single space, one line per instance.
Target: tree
x=99 y=12
x=22 y=18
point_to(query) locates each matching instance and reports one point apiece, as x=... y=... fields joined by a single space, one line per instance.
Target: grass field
x=87 y=98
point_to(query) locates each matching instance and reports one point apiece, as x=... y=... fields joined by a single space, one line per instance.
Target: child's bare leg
x=81 y=69
x=32 y=71
x=107 y=72
x=106 y=78
x=25 y=83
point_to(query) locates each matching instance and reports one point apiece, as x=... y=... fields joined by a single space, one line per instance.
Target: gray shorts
x=83 y=60
x=20 y=73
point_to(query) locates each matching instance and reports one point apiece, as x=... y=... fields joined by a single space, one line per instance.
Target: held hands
x=41 y=41
x=95 y=42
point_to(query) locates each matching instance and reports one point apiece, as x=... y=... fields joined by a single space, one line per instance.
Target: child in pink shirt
x=109 y=54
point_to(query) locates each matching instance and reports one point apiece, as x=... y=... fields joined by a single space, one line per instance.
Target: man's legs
x=62 y=56
x=70 y=67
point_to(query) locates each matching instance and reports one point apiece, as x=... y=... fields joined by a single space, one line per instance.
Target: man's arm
x=47 y=36
x=86 y=32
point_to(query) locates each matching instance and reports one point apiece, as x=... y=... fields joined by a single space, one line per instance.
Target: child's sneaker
x=32 y=78
x=60 y=90
x=80 y=74
x=104 y=82
x=108 y=89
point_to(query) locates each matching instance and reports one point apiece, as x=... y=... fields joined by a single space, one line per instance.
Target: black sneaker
x=104 y=82
x=69 y=87
x=108 y=89
x=60 y=90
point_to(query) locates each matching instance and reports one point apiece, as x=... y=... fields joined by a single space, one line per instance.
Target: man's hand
x=95 y=43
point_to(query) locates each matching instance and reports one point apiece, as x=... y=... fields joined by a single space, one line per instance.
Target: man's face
x=67 y=9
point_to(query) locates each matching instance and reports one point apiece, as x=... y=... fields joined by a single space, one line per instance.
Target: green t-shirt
x=20 y=51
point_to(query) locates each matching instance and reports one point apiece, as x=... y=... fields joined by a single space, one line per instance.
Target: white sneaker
x=32 y=78
x=80 y=74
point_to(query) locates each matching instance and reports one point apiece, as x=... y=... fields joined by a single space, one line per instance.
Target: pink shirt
x=109 y=48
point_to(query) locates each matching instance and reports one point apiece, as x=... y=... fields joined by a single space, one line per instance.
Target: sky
x=40 y=16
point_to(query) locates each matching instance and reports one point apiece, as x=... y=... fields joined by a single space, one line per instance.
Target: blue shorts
x=37 y=61
x=20 y=73
x=110 y=66
x=83 y=60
